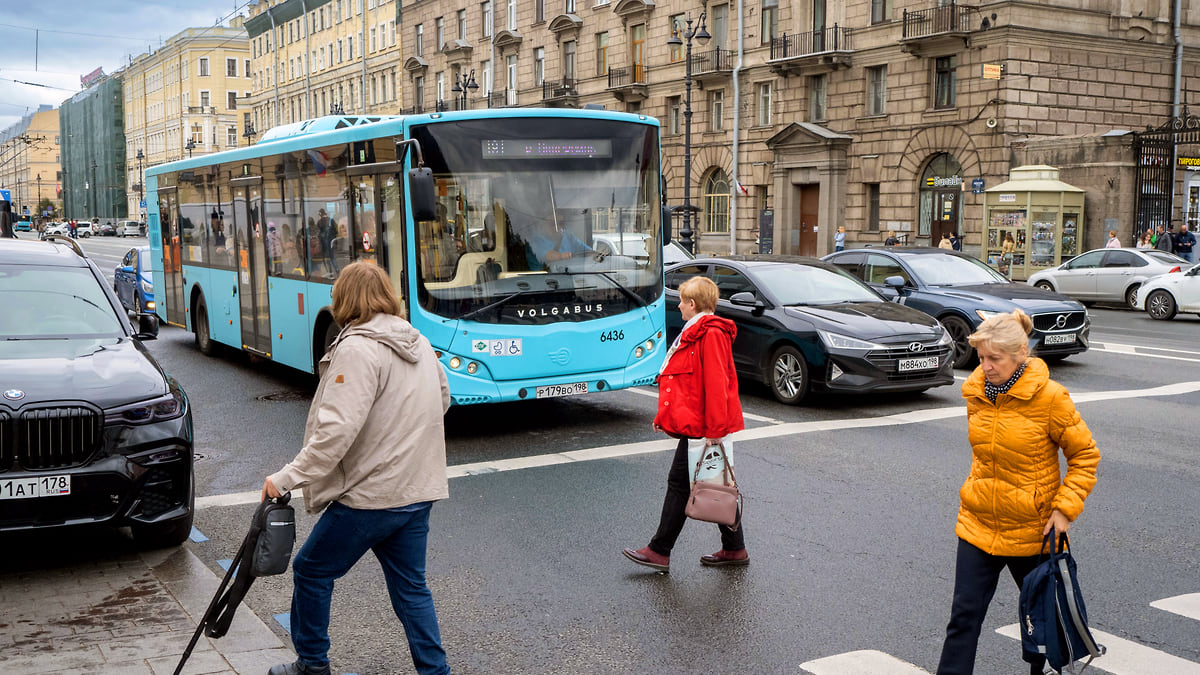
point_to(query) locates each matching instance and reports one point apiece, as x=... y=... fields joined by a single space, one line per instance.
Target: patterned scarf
x=992 y=390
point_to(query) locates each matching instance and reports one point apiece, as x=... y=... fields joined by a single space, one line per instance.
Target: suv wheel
x=1160 y=305
x=959 y=332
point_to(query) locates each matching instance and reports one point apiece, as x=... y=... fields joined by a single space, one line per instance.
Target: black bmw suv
x=92 y=430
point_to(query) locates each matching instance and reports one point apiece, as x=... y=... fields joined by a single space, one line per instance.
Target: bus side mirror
x=666 y=224
x=422 y=193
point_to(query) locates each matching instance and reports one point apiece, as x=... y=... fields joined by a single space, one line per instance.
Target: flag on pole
x=741 y=188
x=319 y=160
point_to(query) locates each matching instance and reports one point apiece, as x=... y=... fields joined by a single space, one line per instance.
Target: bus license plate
x=562 y=390
x=1067 y=339
x=35 y=486
x=918 y=364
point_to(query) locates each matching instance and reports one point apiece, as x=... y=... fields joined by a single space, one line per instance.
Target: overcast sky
x=74 y=37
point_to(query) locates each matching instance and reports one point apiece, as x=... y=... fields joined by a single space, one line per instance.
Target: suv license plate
x=35 y=486
x=1067 y=339
x=918 y=364
x=554 y=390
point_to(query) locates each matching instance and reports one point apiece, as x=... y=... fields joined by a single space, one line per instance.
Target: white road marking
x=1183 y=605
x=864 y=662
x=774 y=431
x=1132 y=350
x=1125 y=657
x=749 y=416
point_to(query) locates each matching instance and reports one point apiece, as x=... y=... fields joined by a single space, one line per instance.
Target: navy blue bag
x=1053 y=619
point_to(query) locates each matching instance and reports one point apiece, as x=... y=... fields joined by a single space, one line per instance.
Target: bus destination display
x=546 y=148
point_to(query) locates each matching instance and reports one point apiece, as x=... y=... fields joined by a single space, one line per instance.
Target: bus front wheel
x=204 y=341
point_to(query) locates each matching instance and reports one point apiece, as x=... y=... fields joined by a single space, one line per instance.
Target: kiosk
x=1044 y=216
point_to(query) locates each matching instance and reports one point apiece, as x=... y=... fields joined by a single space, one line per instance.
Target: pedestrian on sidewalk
x=697 y=398
x=1113 y=241
x=1184 y=242
x=839 y=239
x=375 y=454
x=1163 y=241
x=945 y=243
x=1017 y=419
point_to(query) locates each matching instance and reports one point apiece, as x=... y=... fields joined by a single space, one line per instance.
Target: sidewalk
x=130 y=613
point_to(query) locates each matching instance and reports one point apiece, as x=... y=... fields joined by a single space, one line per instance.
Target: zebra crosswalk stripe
x=1183 y=605
x=1126 y=658
x=864 y=662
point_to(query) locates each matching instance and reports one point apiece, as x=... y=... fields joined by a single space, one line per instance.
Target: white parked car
x=1107 y=274
x=630 y=244
x=56 y=228
x=84 y=230
x=129 y=228
x=1165 y=296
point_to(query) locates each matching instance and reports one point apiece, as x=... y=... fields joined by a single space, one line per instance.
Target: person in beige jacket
x=374 y=460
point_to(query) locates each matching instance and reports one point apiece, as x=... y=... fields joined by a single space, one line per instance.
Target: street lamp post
x=141 y=182
x=39 y=202
x=191 y=145
x=700 y=35
x=463 y=83
x=250 y=133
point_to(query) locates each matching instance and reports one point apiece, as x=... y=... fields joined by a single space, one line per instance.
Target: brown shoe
x=723 y=558
x=645 y=556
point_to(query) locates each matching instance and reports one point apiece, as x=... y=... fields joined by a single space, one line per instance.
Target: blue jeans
x=1187 y=256
x=340 y=538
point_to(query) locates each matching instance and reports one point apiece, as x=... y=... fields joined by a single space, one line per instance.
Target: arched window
x=716 y=201
x=940 y=193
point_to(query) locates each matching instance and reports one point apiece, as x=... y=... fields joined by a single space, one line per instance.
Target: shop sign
x=1191 y=163
x=938 y=181
x=1010 y=198
x=977 y=186
x=992 y=71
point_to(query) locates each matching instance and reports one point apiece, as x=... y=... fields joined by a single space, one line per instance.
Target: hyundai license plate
x=924 y=363
x=1065 y=339
x=562 y=390
x=35 y=486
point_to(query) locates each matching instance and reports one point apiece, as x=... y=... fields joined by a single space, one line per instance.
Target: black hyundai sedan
x=92 y=431
x=805 y=326
x=961 y=292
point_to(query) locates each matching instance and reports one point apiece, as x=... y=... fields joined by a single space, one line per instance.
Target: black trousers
x=975 y=577
x=679 y=488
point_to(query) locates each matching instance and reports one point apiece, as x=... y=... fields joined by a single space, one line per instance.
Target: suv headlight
x=985 y=314
x=147 y=412
x=147 y=287
x=837 y=341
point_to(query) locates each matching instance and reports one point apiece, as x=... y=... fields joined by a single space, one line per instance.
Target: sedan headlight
x=837 y=341
x=147 y=287
x=985 y=315
x=945 y=339
x=155 y=410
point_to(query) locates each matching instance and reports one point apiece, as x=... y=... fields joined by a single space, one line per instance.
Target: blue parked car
x=132 y=281
x=961 y=291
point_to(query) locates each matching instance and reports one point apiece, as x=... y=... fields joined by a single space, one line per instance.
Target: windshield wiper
x=88 y=302
x=476 y=312
x=641 y=302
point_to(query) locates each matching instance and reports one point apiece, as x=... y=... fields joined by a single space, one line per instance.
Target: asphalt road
x=850 y=522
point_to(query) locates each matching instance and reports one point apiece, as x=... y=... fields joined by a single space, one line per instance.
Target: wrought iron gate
x=1155 y=171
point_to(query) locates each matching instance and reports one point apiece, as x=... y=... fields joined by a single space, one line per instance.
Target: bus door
x=378 y=234
x=172 y=263
x=251 y=265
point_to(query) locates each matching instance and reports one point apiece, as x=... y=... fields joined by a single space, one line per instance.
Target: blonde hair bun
x=1008 y=332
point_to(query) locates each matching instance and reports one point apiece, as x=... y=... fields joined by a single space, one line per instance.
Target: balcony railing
x=624 y=77
x=441 y=106
x=833 y=38
x=951 y=18
x=560 y=88
x=505 y=98
x=717 y=60
x=201 y=110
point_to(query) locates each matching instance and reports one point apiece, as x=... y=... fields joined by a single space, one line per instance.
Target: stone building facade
x=29 y=163
x=310 y=58
x=873 y=114
x=194 y=88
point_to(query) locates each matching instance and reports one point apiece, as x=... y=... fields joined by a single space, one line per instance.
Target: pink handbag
x=714 y=502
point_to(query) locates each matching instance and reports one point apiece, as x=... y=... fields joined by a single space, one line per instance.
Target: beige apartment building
x=30 y=167
x=184 y=99
x=875 y=115
x=310 y=58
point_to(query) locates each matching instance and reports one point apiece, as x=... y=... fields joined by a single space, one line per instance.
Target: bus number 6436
x=612 y=336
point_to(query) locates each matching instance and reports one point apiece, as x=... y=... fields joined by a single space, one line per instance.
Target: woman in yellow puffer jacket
x=1017 y=420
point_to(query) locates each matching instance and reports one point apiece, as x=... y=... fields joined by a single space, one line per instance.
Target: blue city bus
x=526 y=244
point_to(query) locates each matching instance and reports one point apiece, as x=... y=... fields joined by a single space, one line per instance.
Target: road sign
x=977 y=185
x=142 y=204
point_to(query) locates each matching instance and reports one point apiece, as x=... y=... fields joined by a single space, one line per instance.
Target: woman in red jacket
x=697 y=398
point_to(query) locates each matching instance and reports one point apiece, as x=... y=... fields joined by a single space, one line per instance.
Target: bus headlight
x=472 y=368
x=455 y=362
x=639 y=352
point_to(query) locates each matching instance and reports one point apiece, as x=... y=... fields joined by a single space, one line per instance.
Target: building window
x=350 y=48
x=512 y=79
x=569 y=59
x=539 y=65
x=716 y=109
x=817 y=85
x=872 y=207
x=230 y=67
x=420 y=39
x=770 y=21
x=602 y=53
x=674 y=113
x=486 y=12
x=678 y=25
x=944 y=81
x=512 y=14
x=203 y=66
x=441 y=87
x=637 y=51
x=419 y=92
x=716 y=201
x=877 y=90
x=881 y=11
x=246 y=68
x=231 y=100
x=486 y=84
x=461 y=19
x=439 y=32
x=764 y=104
x=539 y=11
x=204 y=99
x=375 y=42
x=231 y=137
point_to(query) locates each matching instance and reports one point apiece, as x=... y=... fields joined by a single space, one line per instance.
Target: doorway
x=945 y=216
x=252 y=268
x=810 y=206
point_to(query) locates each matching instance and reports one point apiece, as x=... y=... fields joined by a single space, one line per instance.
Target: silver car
x=1108 y=274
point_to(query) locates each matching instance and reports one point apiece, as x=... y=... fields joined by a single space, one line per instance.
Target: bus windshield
x=539 y=213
